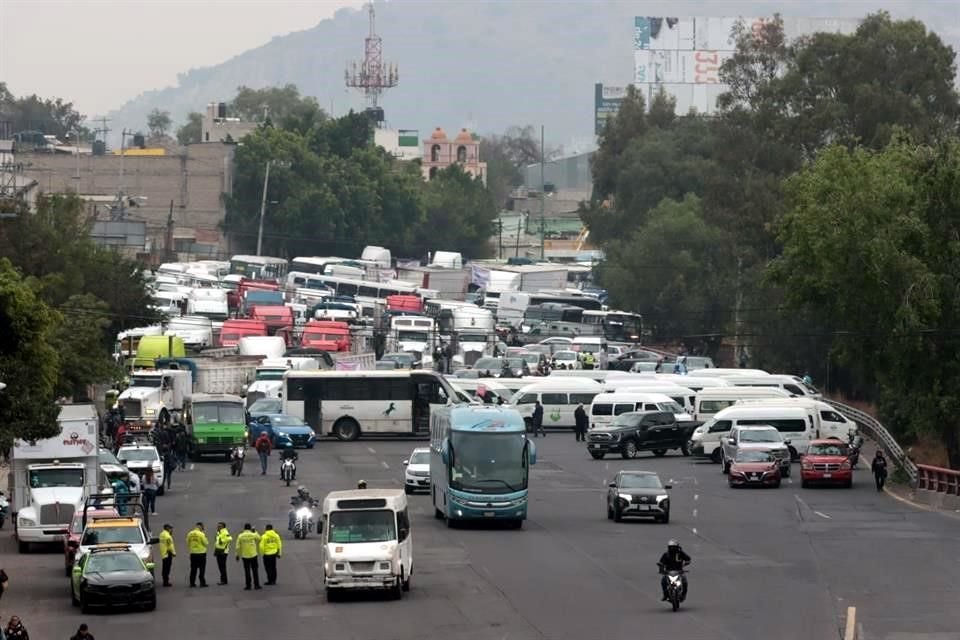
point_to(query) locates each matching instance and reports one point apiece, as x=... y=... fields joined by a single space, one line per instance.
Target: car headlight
x=281 y=434
x=662 y=498
x=312 y=433
x=385 y=566
x=303 y=512
x=625 y=496
x=807 y=466
x=26 y=522
x=146 y=584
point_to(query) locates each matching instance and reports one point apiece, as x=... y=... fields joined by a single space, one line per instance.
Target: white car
x=569 y=359
x=137 y=457
x=416 y=471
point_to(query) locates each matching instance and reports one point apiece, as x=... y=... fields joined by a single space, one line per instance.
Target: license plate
x=643 y=507
x=594 y=446
x=828 y=475
x=489 y=514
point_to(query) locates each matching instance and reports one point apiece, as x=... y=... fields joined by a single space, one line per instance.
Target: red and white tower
x=372 y=75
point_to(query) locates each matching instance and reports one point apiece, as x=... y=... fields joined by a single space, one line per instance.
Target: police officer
x=221 y=548
x=167 y=553
x=197 y=544
x=247 y=543
x=271 y=548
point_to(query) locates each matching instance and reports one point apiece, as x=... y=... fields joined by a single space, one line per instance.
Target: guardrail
x=879 y=434
x=938 y=479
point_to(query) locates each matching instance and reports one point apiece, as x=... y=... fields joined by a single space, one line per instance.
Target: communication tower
x=372 y=75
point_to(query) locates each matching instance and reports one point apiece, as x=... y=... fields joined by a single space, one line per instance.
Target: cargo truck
x=217 y=423
x=155 y=396
x=228 y=374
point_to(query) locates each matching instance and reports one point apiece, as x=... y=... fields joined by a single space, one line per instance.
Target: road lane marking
x=371 y=450
x=191 y=466
x=850 y=633
x=384 y=463
x=696 y=497
x=823 y=515
x=694 y=513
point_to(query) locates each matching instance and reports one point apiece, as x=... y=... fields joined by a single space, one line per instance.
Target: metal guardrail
x=879 y=434
x=938 y=479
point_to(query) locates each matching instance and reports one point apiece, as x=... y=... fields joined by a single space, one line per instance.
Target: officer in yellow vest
x=221 y=548
x=271 y=548
x=197 y=544
x=167 y=553
x=247 y=543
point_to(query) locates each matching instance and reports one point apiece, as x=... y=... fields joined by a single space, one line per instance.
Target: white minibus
x=794 y=423
x=607 y=406
x=559 y=400
x=710 y=401
x=829 y=422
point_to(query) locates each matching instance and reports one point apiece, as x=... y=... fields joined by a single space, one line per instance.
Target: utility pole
x=516 y=251
x=543 y=199
x=263 y=206
x=169 y=238
x=500 y=234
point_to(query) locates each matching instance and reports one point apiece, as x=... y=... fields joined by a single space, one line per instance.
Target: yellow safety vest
x=270 y=543
x=247 y=542
x=222 y=543
x=197 y=541
x=166 y=544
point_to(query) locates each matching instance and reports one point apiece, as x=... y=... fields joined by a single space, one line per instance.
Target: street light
x=263 y=199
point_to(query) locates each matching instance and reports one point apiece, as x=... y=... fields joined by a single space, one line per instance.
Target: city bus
x=615 y=326
x=480 y=461
x=259 y=267
x=348 y=404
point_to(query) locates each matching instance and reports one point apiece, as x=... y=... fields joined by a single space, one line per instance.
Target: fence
x=879 y=434
x=938 y=479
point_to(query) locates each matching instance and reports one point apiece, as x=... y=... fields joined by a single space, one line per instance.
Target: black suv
x=631 y=433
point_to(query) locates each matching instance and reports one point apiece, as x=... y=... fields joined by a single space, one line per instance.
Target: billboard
x=684 y=55
x=606 y=103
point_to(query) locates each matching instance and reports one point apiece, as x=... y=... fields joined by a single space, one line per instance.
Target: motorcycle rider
x=237 y=456
x=675 y=559
x=362 y=484
x=289 y=453
x=302 y=499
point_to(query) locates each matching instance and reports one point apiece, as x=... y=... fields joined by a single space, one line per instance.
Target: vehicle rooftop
x=225 y=397
x=114 y=521
x=360 y=494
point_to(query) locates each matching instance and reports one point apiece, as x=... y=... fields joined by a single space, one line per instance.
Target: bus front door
x=313 y=414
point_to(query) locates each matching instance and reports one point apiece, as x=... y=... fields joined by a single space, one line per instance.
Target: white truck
x=269 y=376
x=210 y=303
x=413 y=334
x=195 y=331
x=155 y=396
x=473 y=330
x=50 y=479
x=228 y=374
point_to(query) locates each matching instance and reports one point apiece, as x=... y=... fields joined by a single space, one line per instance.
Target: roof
x=211 y=397
x=360 y=494
x=78 y=412
x=637 y=472
x=110 y=547
x=830 y=441
x=464 y=136
x=114 y=521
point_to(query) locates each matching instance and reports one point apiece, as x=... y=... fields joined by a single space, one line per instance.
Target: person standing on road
x=263 y=446
x=82 y=633
x=197 y=544
x=271 y=548
x=167 y=553
x=149 y=496
x=181 y=445
x=538 y=420
x=580 y=418
x=15 y=629
x=879 y=467
x=169 y=465
x=221 y=548
x=247 y=543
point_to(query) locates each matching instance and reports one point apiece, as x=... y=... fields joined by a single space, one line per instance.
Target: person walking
x=221 y=548
x=538 y=420
x=879 y=468
x=263 y=446
x=580 y=420
x=83 y=633
x=168 y=552
x=271 y=548
x=247 y=544
x=181 y=445
x=197 y=544
x=15 y=629
x=169 y=465
x=149 y=487
x=4 y=582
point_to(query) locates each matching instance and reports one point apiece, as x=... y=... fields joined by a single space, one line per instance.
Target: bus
x=514 y=304
x=480 y=461
x=259 y=267
x=313 y=265
x=615 y=326
x=366 y=288
x=348 y=404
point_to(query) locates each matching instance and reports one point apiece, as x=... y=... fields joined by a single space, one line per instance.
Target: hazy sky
x=100 y=53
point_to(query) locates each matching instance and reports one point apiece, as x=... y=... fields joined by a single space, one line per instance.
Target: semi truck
x=217 y=423
x=228 y=374
x=155 y=396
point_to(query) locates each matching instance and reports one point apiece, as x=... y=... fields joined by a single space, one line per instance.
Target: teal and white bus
x=480 y=461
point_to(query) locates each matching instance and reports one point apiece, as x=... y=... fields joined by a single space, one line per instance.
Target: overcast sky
x=100 y=53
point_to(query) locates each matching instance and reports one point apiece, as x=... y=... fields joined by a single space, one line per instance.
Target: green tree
x=32 y=113
x=621 y=130
x=459 y=214
x=192 y=130
x=79 y=339
x=158 y=122
x=282 y=106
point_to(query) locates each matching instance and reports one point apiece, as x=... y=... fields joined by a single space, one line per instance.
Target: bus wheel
x=437 y=514
x=346 y=429
x=516 y=523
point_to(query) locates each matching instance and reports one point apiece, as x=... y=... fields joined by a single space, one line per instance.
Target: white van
x=559 y=400
x=794 y=423
x=683 y=396
x=588 y=374
x=607 y=406
x=367 y=542
x=470 y=386
x=829 y=422
x=693 y=382
x=721 y=372
x=710 y=401
x=789 y=384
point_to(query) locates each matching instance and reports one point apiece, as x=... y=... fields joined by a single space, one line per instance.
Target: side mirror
x=154 y=541
x=405 y=462
x=612 y=485
x=319 y=526
x=731 y=441
x=76 y=570
x=668 y=486
x=786 y=441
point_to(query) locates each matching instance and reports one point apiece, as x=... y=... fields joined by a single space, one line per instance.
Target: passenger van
x=692 y=382
x=829 y=422
x=794 y=423
x=789 y=384
x=710 y=401
x=367 y=542
x=683 y=396
x=559 y=400
x=607 y=406
x=494 y=388
x=721 y=372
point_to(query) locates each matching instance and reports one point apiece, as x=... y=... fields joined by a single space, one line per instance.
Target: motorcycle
x=4 y=508
x=236 y=461
x=856 y=442
x=302 y=517
x=675 y=588
x=287 y=470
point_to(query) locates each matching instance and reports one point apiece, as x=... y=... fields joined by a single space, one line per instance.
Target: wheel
x=715 y=456
x=406 y=583
x=437 y=514
x=776 y=485
x=396 y=591
x=84 y=607
x=665 y=519
x=685 y=450
x=408 y=491
x=597 y=456
x=609 y=512
x=150 y=606
x=726 y=465
x=516 y=523
x=659 y=452
x=309 y=446
x=73 y=597
x=68 y=571
x=333 y=595
x=848 y=484
x=629 y=450
x=288 y=481
x=617 y=516
x=675 y=601
x=451 y=523
x=23 y=547
x=794 y=456
x=346 y=429
x=804 y=484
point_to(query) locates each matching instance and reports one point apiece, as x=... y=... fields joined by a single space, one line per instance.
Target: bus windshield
x=488 y=462
x=412 y=336
x=362 y=526
x=217 y=412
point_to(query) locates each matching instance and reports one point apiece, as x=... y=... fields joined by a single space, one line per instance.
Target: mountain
x=486 y=65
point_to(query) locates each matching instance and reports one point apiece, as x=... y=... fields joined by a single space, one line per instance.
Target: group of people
x=264 y=446
x=14 y=630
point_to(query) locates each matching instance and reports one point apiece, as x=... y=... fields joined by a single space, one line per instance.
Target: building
x=402 y=144
x=217 y=127
x=439 y=152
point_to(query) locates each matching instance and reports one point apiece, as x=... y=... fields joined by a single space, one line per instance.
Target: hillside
x=486 y=65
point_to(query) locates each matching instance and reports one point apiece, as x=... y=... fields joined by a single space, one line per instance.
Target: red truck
x=826 y=462
x=235 y=329
x=405 y=303
x=328 y=335
x=278 y=319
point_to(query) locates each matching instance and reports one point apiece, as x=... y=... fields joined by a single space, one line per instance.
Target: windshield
x=146 y=381
x=107 y=562
x=565 y=355
x=265 y=406
x=403 y=358
x=838 y=449
x=214 y=316
x=362 y=526
x=531 y=358
x=46 y=478
x=412 y=336
x=485 y=462
x=515 y=363
x=106 y=535
x=640 y=481
x=472 y=337
x=106 y=457
x=672 y=407
x=217 y=412
x=493 y=364
x=760 y=436
x=270 y=374
x=420 y=457
x=754 y=456
x=138 y=455
x=286 y=421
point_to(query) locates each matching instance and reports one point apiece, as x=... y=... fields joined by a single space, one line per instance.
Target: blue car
x=282 y=430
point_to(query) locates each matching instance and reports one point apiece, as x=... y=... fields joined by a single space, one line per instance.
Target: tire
x=288 y=481
x=628 y=450
x=451 y=523
x=23 y=547
x=715 y=456
x=152 y=604
x=804 y=484
x=406 y=583
x=408 y=491
x=346 y=429
x=516 y=523
x=848 y=484
x=777 y=485
x=84 y=607
x=659 y=452
x=617 y=516
x=609 y=512
x=725 y=465
x=332 y=595
x=437 y=514
x=597 y=456
x=73 y=597
x=68 y=571
x=309 y=446
x=785 y=471
x=665 y=519
x=396 y=591
x=685 y=450
x=675 y=601
x=794 y=456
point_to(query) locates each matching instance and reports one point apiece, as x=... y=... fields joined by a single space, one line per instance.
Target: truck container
x=328 y=335
x=237 y=328
x=276 y=317
x=404 y=303
x=195 y=331
x=228 y=374
x=152 y=347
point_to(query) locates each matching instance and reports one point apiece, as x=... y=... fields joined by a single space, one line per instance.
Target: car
x=646 y=366
x=569 y=359
x=757 y=437
x=112 y=576
x=265 y=407
x=754 y=467
x=402 y=360
x=416 y=471
x=638 y=493
x=636 y=431
x=283 y=429
x=826 y=462
x=386 y=365
x=557 y=340
x=495 y=365
x=71 y=540
x=625 y=361
x=138 y=457
x=109 y=530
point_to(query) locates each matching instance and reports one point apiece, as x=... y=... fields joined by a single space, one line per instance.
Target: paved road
x=767 y=564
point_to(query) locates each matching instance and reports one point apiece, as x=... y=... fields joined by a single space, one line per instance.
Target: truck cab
x=327 y=335
x=155 y=396
x=216 y=422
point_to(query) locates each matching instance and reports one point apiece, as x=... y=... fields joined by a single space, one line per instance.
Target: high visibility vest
x=247 y=543
x=166 y=544
x=197 y=541
x=270 y=543
x=222 y=543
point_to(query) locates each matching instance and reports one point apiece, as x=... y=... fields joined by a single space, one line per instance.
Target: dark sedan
x=638 y=493
x=112 y=576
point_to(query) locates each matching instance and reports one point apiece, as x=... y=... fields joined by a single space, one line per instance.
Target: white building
x=402 y=144
x=217 y=127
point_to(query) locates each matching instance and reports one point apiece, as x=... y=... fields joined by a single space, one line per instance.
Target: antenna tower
x=372 y=76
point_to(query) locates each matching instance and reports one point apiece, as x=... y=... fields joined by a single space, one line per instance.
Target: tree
x=458 y=214
x=158 y=122
x=32 y=113
x=506 y=156
x=283 y=106
x=192 y=131
x=628 y=124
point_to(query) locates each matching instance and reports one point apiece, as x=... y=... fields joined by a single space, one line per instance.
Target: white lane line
x=384 y=463
x=371 y=450
x=191 y=466
x=823 y=515
x=694 y=531
x=694 y=513
x=696 y=497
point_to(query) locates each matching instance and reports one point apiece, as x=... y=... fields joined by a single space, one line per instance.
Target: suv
x=638 y=493
x=112 y=530
x=827 y=461
x=71 y=541
x=757 y=438
x=138 y=457
x=631 y=433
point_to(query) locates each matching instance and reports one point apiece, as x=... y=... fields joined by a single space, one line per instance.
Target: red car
x=71 y=541
x=756 y=468
x=826 y=462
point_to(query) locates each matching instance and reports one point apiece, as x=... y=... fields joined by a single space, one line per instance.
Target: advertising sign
x=606 y=103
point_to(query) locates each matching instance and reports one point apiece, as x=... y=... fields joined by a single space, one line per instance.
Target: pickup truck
x=631 y=433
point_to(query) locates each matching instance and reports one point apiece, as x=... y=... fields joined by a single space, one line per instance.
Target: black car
x=112 y=576
x=625 y=361
x=631 y=433
x=638 y=493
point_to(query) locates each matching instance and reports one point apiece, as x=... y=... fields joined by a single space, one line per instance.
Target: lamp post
x=263 y=199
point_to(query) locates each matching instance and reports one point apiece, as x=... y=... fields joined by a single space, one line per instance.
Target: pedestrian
x=263 y=446
x=197 y=544
x=15 y=630
x=169 y=465
x=538 y=420
x=247 y=544
x=83 y=633
x=879 y=467
x=221 y=548
x=580 y=419
x=4 y=582
x=168 y=552
x=149 y=487
x=271 y=548
x=181 y=444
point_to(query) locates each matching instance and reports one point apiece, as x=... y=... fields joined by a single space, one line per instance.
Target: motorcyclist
x=236 y=457
x=289 y=453
x=302 y=499
x=675 y=559
x=362 y=484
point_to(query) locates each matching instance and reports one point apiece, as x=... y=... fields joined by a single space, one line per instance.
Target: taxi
x=110 y=576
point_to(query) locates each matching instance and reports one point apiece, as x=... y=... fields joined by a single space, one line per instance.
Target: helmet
x=288 y=445
x=301 y=489
x=362 y=484
x=673 y=543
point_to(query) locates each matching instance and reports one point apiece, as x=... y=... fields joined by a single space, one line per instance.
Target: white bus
x=348 y=404
x=259 y=267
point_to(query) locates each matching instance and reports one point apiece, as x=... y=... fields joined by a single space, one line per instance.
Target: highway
x=782 y=563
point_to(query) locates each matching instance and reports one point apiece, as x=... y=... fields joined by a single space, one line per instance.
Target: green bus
x=216 y=422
